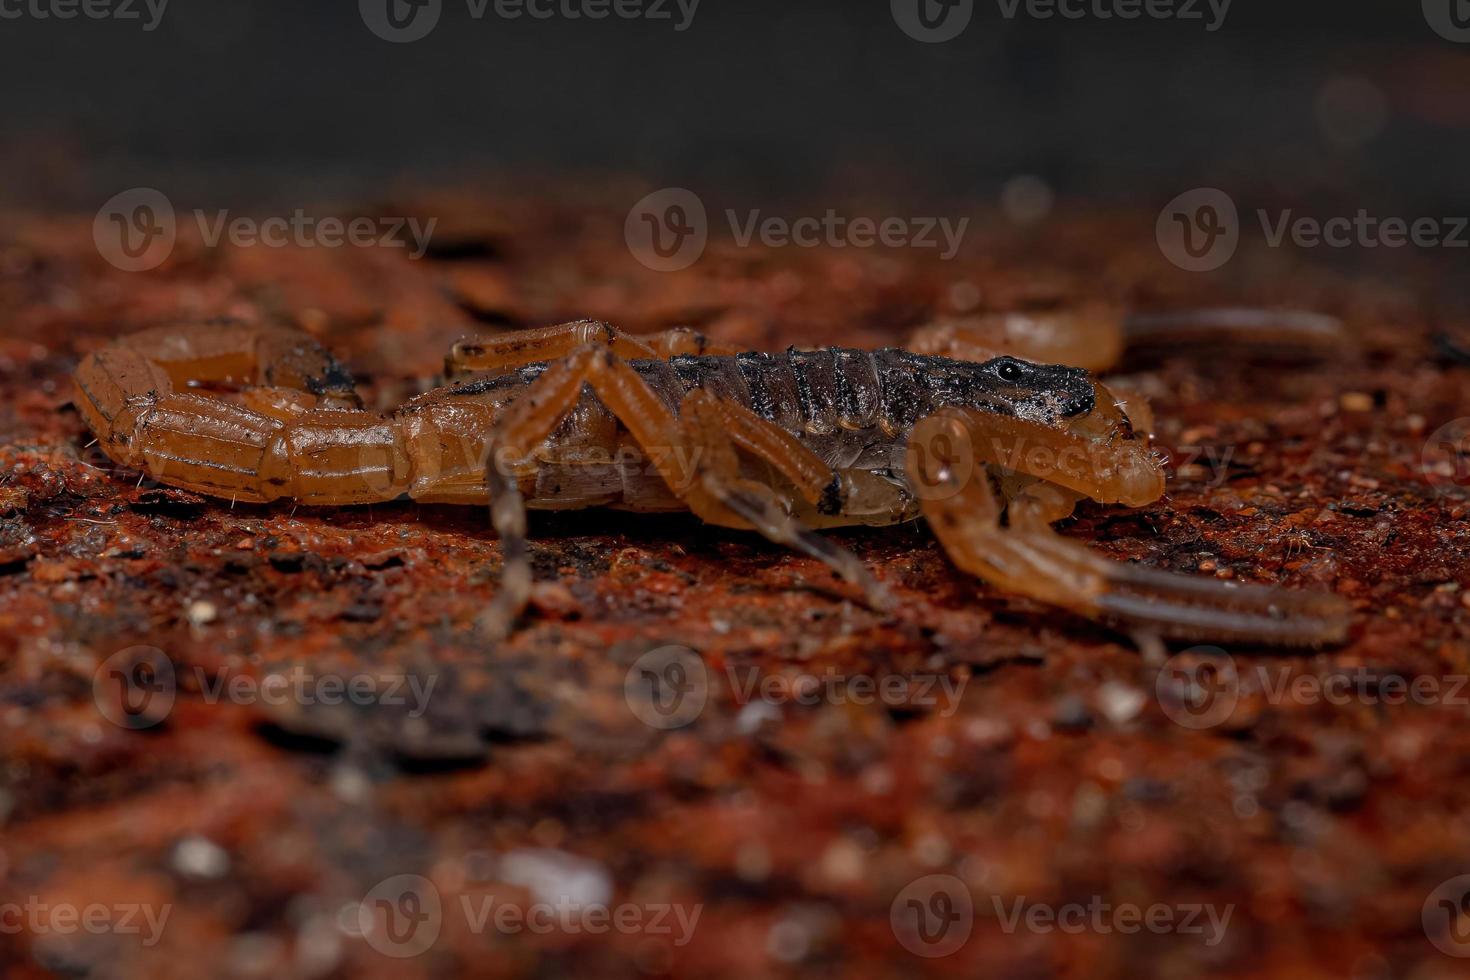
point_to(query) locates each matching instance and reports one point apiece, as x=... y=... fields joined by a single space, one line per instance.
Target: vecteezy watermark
x=148 y=13
x=669 y=688
x=1202 y=686
x=678 y=466
x=404 y=916
x=1101 y=917
x=1200 y=230
x=404 y=21
x=933 y=916
x=944 y=456
x=1446 y=917
x=1198 y=688
x=939 y=692
x=38 y=918
x=935 y=21
x=137 y=687
x=1445 y=458
x=669 y=229
x=932 y=21
x=1449 y=18
x=138 y=229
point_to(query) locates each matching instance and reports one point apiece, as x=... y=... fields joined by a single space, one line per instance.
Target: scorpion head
x=1046 y=393
x=1119 y=463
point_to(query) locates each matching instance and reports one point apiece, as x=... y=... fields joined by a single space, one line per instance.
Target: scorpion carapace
x=990 y=451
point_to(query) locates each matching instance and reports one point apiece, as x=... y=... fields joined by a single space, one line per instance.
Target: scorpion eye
x=1009 y=371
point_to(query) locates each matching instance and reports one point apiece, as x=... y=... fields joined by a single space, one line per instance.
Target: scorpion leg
x=693 y=454
x=717 y=426
x=1028 y=557
x=512 y=350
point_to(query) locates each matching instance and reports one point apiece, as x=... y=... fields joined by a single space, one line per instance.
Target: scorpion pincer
x=990 y=449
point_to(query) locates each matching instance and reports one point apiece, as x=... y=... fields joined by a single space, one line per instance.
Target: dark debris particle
x=363 y=612
x=291 y=562
x=169 y=502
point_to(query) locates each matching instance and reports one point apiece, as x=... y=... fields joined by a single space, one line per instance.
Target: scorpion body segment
x=990 y=451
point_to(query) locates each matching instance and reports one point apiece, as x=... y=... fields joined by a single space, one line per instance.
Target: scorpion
x=990 y=448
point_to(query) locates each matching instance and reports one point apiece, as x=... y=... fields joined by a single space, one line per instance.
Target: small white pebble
x=754 y=715
x=198 y=857
x=877 y=780
x=843 y=862
x=1120 y=702
x=753 y=862
x=554 y=876
x=1026 y=199
x=350 y=784
x=964 y=296
x=788 y=941
x=932 y=849
x=202 y=611
x=318 y=947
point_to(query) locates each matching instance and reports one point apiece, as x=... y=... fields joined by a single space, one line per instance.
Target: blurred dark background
x=1362 y=104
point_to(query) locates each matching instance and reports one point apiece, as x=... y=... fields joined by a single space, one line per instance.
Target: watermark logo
x=405 y=21
x=148 y=13
x=936 y=21
x=135 y=230
x=933 y=916
x=400 y=21
x=1198 y=688
x=1449 y=18
x=1199 y=230
x=571 y=916
x=667 y=688
x=1101 y=917
x=402 y=916
x=932 y=21
x=1446 y=917
x=1211 y=13
x=940 y=693
x=1201 y=687
x=1445 y=458
x=38 y=918
x=833 y=230
x=135 y=688
x=940 y=453
x=667 y=230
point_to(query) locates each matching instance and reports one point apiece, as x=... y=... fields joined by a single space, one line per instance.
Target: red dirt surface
x=1055 y=778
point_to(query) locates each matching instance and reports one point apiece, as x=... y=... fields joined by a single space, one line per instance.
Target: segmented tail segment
x=299 y=433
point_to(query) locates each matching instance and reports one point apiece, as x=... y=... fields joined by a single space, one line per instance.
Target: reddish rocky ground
x=797 y=832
